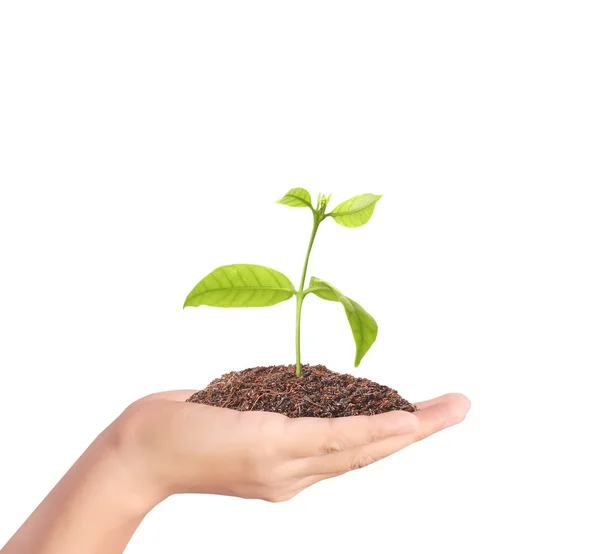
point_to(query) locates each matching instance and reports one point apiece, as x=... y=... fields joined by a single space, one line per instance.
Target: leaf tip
x=188 y=302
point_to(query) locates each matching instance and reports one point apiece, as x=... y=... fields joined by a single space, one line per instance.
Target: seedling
x=254 y=286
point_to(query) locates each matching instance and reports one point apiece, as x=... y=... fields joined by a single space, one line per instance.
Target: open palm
x=187 y=447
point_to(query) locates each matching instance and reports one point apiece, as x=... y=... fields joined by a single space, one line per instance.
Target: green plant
x=253 y=286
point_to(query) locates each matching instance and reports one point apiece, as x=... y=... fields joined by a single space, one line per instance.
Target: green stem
x=300 y=296
x=299 y=300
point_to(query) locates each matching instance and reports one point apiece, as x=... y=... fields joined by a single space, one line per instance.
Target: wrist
x=120 y=474
x=94 y=508
x=131 y=461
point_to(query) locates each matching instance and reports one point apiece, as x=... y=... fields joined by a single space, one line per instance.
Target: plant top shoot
x=254 y=286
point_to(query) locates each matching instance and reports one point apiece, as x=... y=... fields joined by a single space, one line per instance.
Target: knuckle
x=420 y=435
x=332 y=442
x=332 y=446
x=362 y=460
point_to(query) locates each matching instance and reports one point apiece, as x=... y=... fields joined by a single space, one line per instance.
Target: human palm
x=183 y=447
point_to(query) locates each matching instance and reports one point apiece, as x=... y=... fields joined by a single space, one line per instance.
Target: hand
x=162 y=445
x=178 y=447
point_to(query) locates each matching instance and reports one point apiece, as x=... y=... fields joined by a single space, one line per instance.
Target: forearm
x=162 y=445
x=94 y=509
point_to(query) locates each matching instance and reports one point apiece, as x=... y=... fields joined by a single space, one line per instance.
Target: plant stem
x=310 y=245
x=299 y=299
x=299 y=296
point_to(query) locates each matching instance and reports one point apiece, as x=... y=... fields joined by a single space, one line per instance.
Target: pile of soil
x=318 y=393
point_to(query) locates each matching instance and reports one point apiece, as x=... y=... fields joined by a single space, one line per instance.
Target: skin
x=160 y=446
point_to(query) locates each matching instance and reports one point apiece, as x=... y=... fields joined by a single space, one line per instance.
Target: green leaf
x=297 y=198
x=356 y=211
x=241 y=286
x=364 y=327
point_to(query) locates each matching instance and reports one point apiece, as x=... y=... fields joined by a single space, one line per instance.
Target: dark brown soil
x=318 y=393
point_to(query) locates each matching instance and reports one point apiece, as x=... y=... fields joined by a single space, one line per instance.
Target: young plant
x=253 y=286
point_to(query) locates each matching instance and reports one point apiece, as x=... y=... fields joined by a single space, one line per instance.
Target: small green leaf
x=364 y=327
x=297 y=198
x=241 y=286
x=356 y=211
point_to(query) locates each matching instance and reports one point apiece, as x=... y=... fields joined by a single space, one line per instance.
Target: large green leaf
x=297 y=198
x=364 y=327
x=356 y=211
x=241 y=286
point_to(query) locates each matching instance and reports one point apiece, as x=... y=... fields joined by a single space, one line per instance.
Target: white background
x=142 y=144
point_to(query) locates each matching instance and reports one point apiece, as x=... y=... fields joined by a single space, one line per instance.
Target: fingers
x=176 y=395
x=308 y=437
x=440 y=413
x=433 y=416
x=457 y=399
